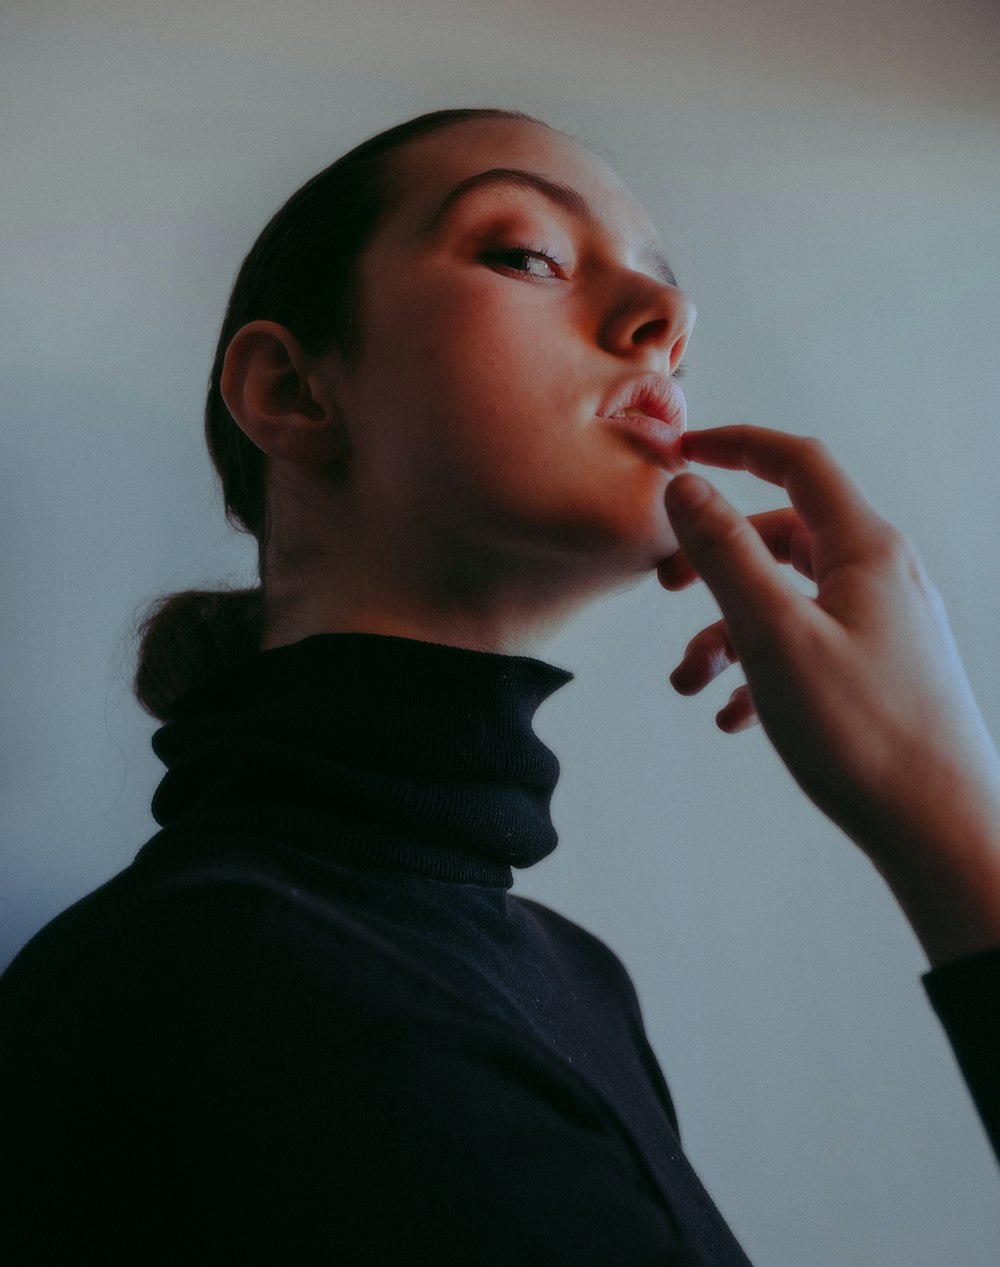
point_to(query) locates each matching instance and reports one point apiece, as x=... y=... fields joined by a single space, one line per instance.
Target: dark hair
x=300 y=273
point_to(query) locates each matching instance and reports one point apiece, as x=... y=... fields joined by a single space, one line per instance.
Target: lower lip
x=658 y=441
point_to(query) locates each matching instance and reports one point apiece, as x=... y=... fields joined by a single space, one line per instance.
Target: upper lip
x=655 y=394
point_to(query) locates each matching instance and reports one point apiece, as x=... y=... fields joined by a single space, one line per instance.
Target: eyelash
x=505 y=254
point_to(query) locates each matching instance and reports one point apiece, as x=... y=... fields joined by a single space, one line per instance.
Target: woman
x=309 y=1023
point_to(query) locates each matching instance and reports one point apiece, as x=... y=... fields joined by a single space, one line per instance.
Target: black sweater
x=310 y=1024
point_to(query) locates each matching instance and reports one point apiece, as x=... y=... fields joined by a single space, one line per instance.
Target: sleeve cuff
x=965 y=994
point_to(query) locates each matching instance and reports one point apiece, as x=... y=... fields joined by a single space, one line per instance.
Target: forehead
x=432 y=165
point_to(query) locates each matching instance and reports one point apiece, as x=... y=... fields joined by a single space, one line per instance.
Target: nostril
x=651 y=331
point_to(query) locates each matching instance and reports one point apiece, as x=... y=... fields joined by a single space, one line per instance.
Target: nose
x=649 y=321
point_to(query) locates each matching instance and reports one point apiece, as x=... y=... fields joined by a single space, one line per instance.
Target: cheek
x=454 y=331
x=482 y=382
x=482 y=407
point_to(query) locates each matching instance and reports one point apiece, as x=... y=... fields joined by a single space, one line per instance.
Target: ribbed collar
x=402 y=754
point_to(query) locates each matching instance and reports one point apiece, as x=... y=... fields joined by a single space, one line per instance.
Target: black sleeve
x=218 y=1083
x=966 y=996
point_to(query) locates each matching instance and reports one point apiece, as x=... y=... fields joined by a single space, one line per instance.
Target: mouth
x=651 y=414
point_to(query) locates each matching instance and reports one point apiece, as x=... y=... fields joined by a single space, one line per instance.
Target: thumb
x=728 y=554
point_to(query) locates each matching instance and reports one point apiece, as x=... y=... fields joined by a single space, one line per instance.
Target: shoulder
x=223 y=1044
x=221 y=928
x=597 y=978
x=577 y=945
x=226 y=986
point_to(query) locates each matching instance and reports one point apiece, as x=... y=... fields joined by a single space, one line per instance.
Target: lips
x=652 y=415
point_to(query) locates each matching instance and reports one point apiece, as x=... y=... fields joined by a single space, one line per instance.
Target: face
x=497 y=333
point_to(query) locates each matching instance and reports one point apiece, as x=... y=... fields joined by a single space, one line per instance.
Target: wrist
x=948 y=884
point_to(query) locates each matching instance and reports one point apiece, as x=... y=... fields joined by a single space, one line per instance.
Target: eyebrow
x=563 y=196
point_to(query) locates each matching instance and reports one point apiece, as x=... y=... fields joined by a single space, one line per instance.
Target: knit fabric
x=310 y=1022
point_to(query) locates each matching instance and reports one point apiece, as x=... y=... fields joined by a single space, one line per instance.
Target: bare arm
x=860 y=689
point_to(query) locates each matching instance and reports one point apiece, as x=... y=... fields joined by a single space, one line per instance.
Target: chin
x=614 y=542
x=635 y=559
x=651 y=542
x=665 y=546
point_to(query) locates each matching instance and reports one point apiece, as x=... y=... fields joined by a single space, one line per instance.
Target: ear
x=282 y=397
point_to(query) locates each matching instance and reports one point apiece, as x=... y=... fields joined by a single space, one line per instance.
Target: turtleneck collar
x=383 y=750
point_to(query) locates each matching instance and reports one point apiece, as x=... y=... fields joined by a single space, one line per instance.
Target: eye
x=530 y=260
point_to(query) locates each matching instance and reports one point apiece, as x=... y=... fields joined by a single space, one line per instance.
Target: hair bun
x=185 y=639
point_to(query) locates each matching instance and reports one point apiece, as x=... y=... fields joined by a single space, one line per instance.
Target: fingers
x=765 y=621
x=825 y=496
x=739 y=712
x=708 y=654
x=732 y=559
x=782 y=531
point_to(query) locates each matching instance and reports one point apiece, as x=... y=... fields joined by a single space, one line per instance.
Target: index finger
x=825 y=496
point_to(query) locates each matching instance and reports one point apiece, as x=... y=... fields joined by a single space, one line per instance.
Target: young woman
x=309 y=1023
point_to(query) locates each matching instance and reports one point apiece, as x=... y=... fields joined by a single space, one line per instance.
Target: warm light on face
x=515 y=289
x=563 y=196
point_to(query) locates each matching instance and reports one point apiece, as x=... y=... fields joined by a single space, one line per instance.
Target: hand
x=860 y=688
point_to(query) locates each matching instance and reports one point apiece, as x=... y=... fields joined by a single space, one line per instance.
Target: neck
x=511 y=608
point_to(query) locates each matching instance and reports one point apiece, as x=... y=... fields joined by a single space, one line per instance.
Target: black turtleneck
x=416 y=757
x=310 y=1023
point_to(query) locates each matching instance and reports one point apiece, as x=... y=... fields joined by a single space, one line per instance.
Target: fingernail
x=682 y=678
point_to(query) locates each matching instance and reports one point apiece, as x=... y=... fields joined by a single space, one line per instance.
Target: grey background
x=825 y=181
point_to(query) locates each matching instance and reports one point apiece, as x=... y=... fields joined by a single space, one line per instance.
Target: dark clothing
x=310 y=1024
x=965 y=994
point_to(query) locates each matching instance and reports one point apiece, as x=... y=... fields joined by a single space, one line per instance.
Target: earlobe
x=275 y=395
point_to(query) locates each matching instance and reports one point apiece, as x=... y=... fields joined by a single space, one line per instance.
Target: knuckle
x=724 y=533
x=709 y=641
x=812 y=449
x=896 y=551
x=896 y=547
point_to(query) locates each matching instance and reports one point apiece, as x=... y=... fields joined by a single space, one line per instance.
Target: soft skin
x=457 y=483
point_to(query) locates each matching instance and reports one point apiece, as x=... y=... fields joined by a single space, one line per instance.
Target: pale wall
x=825 y=180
